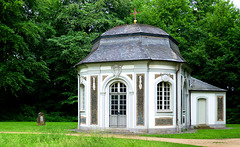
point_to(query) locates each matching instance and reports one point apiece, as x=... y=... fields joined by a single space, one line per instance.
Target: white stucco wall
x=149 y=69
x=163 y=68
x=211 y=107
x=104 y=69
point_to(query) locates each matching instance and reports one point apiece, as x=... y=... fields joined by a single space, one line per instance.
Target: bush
x=30 y=113
x=59 y=117
x=233 y=115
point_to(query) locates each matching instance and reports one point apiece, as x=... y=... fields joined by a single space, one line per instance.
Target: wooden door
x=201 y=111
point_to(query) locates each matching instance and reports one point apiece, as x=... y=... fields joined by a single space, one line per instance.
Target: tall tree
x=20 y=38
x=207 y=32
x=79 y=23
x=41 y=41
x=21 y=64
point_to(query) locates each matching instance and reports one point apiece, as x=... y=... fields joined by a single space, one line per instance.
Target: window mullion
x=119 y=87
x=163 y=95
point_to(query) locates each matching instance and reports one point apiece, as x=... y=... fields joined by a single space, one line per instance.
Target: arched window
x=163 y=96
x=82 y=97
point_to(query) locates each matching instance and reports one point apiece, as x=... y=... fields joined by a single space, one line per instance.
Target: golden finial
x=135 y=13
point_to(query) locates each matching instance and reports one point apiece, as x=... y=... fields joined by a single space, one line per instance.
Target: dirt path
x=199 y=142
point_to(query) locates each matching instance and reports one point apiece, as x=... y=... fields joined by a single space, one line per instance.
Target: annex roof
x=198 y=85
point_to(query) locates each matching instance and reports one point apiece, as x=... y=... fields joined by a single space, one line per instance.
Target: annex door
x=118 y=97
x=201 y=111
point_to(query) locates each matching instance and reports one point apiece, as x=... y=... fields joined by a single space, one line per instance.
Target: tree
x=41 y=41
x=80 y=23
x=20 y=37
x=223 y=56
x=207 y=32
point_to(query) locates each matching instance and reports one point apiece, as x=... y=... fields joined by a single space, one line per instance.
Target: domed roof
x=134 y=28
x=134 y=42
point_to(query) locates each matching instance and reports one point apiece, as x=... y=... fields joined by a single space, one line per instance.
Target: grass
x=232 y=132
x=50 y=127
x=58 y=137
x=63 y=140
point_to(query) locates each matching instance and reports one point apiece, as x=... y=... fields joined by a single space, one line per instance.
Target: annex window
x=163 y=96
x=82 y=97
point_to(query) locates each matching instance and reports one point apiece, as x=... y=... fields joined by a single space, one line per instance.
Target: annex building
x=135 y=79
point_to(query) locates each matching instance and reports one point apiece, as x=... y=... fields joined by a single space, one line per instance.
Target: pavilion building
x=136 y=79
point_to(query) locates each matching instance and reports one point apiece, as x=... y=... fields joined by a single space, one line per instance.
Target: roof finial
x=135 y=13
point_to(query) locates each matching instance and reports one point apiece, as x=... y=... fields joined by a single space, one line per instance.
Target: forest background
x=41 y=41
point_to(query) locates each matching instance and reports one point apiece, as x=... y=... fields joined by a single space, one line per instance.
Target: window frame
x=118 y=90
x=164 y=78
x=162 y=88
x=82 y=98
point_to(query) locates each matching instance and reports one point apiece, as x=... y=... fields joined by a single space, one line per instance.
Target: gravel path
x=199 y=142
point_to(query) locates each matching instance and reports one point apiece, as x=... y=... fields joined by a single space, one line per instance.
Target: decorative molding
x=83 y=120
x=165 y=78
x=140 y=99
x=140 y=82
x=130 y=76
x=220 y=107
x=83 y=78
x=157 y=75
x=94 y=100
x=163 y=121
x=104 y=77
x=116 y=70
x=163 y=74
x=94 y=83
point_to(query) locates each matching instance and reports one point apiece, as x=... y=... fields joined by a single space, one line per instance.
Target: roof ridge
x=178 y=54
x=146 y=50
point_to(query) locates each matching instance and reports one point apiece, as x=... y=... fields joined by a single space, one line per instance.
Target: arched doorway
x=118 y=105
x=201 y=111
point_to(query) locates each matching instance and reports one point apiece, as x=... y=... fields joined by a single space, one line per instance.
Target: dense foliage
x=41 y=41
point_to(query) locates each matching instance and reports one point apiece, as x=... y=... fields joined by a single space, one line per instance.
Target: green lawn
x=63 y=140
x=58 y=138
x=62 y=127
x=232 y=132
x=50 y=127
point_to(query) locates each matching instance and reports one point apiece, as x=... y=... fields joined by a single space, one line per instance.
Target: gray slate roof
x=131 y=43
x=198 y=85
x=134 y=28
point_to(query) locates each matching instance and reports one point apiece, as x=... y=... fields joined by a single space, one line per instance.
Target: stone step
x=203 y=127
x=118 y=131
